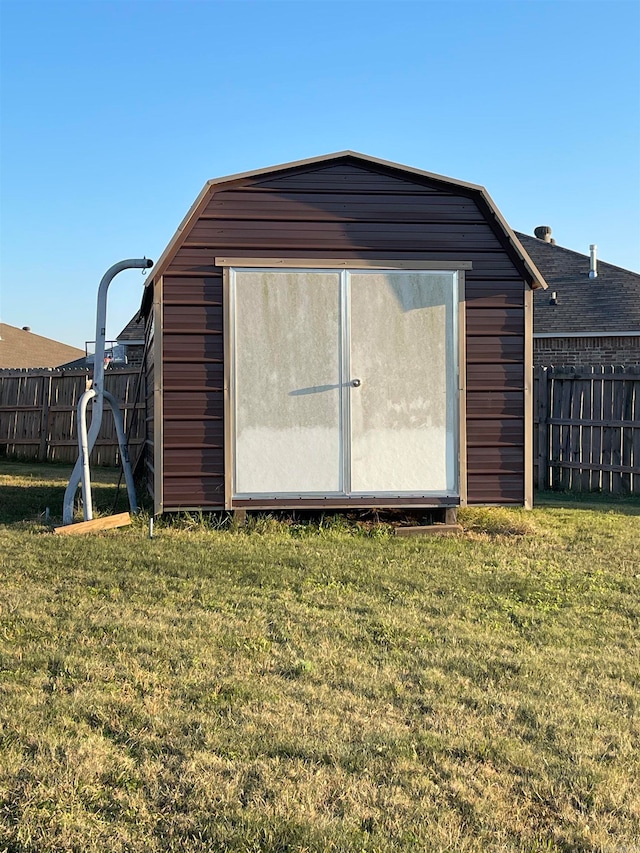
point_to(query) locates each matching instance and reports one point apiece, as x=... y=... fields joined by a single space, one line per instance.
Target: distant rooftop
x=608 y=304
x=22 y=348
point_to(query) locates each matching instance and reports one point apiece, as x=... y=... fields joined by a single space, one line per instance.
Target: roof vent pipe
x=593 y=265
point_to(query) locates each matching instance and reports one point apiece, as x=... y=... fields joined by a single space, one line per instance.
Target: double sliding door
x=344 y=383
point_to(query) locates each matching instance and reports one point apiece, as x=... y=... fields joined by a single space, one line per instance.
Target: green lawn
x=318 y=686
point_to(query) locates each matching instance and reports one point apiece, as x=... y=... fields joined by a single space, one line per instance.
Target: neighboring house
x=22 y=349
x=131 y=341
x=582 y=319
x=126 y=350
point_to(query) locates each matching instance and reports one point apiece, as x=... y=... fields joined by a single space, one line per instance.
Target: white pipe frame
x=87 y=440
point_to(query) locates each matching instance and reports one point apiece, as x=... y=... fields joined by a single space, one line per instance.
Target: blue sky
x=115 y=113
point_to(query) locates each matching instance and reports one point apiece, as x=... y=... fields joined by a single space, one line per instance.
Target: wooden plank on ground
x=95 y=525
x=429 y=530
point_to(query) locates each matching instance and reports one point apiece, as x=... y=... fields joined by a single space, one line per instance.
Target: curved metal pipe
x=98 y=384
x=83 y=441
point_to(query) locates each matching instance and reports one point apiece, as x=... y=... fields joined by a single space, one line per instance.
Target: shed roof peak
x=532 y=274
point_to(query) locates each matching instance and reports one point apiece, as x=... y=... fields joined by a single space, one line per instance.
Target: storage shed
x=340 y=332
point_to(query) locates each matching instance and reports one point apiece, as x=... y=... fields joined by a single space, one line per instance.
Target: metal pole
x=98 y=383
x=124 y=450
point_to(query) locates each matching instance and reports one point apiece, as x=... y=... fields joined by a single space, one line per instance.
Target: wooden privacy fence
x=38 y=414
x=587 y=429
x=586 y=422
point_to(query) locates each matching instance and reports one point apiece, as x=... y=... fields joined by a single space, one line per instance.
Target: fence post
x=44 y=418
x=543 y=427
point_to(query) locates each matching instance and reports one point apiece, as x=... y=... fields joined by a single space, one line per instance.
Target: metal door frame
x=233 y=265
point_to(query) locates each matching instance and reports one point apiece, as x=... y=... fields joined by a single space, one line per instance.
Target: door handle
x=356 y=383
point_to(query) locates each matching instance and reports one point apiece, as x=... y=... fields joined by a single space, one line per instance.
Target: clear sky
x=116 y=112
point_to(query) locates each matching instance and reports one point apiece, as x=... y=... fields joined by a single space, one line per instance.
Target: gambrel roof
x=478 y=193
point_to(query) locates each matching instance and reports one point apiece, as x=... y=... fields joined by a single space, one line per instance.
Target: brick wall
x=570 y=351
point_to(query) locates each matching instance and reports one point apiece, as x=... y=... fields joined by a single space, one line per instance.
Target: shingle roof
x=608 y=304
x=133 y=331
x=21 y=349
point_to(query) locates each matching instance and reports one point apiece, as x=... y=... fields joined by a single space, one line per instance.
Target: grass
x=318 y=686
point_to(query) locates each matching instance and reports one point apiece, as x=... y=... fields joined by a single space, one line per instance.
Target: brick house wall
x=610 y=350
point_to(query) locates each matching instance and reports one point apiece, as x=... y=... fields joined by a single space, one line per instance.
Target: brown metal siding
x=193 y=391
x=347 y=211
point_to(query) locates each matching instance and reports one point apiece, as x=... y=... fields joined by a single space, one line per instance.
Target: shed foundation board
x=429 y=530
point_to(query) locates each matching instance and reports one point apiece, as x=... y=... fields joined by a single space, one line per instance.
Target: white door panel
x=302 y=426
x=404 y=413
x=287 y=383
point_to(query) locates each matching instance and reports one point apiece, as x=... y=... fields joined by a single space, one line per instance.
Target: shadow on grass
x=27 y=490
x=624 y=504
x=30 y=503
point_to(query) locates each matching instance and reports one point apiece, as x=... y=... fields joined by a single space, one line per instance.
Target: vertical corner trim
x=158 y=400
x=528 y=397
x=462 y=386
x=229 y=425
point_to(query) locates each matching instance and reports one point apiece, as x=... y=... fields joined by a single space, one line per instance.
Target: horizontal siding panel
x=492 y=321
x=495 y=489
x=190 y=492
x=495 y=403
x=495 y=376
x=487 y=432
x=492 y=348
x=207 y=433
x=180 y=404
x=344 y=238
x=194 y=461
x=495 y=460
x=332 y=177
x=493 y=294
x=326 y=207
x=246 y=232
x=184 y=317
x=199 y=291
x=194 y=377
x=180 y=347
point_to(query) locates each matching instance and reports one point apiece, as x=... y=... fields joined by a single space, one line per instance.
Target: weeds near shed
x=498 y=521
